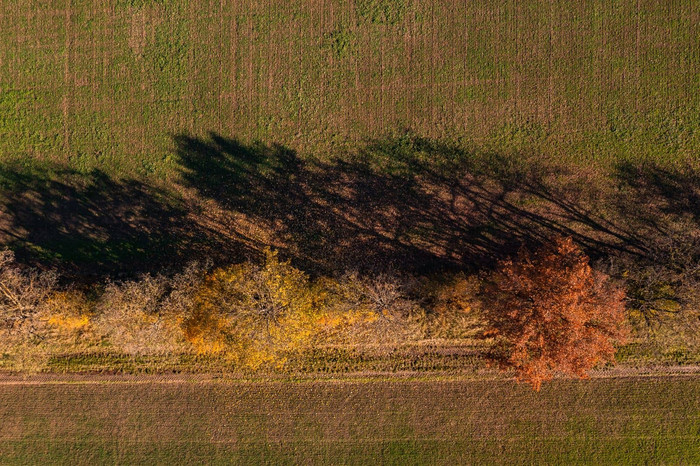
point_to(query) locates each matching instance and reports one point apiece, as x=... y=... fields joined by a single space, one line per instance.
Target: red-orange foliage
x=551 y=312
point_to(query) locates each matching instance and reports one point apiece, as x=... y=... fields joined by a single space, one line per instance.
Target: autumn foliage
x=551 y=312
x=254 y=314
x=548 y=312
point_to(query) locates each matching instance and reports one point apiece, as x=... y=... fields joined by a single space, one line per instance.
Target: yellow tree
x=253 y=313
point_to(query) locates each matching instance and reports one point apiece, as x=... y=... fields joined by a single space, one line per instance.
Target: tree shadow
x=404 y=203
x=91 y=225
x=669 y=194
x=410 y=203
x=665 y=204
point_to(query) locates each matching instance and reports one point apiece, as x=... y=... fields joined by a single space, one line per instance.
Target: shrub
x=373 y=310
x=663 y=291
x=339 y=321
x=23 y=293
x=551 y=312
x=68 y=316
x=133 y=317
x=451 y=304
x=386 y=296
x=184 y=287
x=664 y=288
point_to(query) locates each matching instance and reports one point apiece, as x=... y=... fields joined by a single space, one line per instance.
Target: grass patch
x=459 y=72
x=621 y=421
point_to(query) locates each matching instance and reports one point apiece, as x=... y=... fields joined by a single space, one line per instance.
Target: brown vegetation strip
x=620 y=372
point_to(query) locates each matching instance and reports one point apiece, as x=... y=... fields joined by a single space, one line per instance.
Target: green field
x=106 y=84
x=158 y=421
x=129 y=128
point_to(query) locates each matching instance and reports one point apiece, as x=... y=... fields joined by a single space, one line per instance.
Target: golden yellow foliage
x=68 y=313
x=253 y=314
x=204 y=329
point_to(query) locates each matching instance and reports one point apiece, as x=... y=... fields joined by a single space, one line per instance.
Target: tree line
x=542 y=312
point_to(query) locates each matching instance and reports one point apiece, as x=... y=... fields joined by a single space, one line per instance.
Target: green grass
x=104 y=85
x=417 y=358
x=599 y=421
x=263 y=118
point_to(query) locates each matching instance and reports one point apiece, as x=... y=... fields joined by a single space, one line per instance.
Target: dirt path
x=234 y=378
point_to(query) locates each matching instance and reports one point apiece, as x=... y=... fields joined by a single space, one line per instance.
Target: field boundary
x=358 y=377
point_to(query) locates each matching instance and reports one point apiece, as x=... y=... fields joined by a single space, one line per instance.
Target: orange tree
x=549 y=311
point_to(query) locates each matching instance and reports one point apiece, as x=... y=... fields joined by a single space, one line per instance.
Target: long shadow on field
x=406 y=203
x=665 y=203
x=93 y=225
x=411 y=203
x=669 y=192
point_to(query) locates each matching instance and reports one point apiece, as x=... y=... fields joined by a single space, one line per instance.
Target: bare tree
x=23 y=292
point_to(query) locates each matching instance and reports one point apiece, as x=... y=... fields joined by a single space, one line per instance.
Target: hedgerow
x=543 y=312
